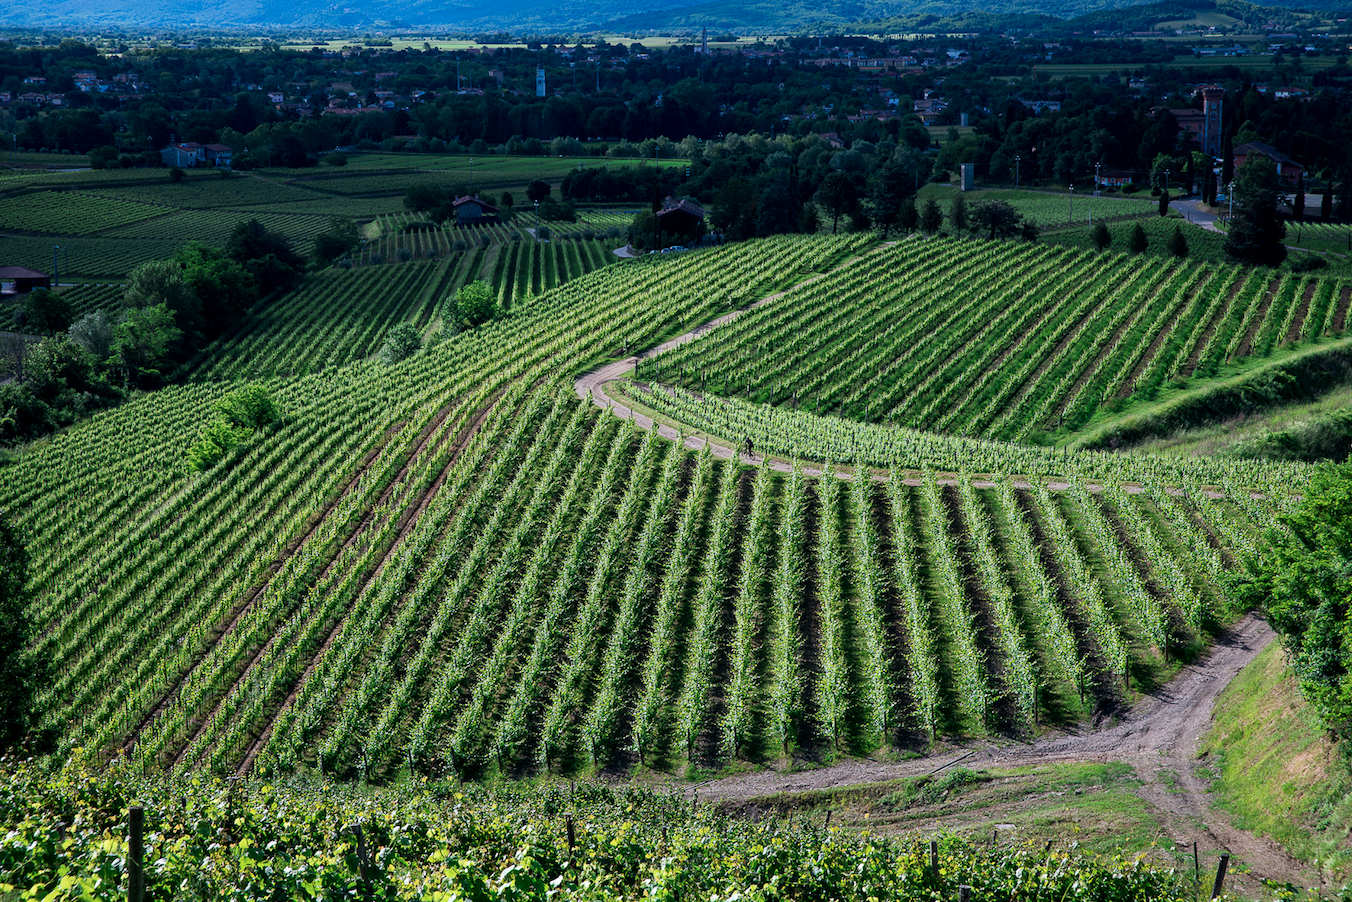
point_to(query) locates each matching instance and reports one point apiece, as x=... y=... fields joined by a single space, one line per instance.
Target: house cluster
x=191 y=155
x=125 y=84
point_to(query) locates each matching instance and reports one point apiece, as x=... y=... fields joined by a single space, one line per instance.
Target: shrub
x=476 y=303
x=402 y=343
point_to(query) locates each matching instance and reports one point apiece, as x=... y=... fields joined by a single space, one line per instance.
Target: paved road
x=1191 y=210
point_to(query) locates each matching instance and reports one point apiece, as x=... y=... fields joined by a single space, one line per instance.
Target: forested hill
x=581 y=16
x=930 y=16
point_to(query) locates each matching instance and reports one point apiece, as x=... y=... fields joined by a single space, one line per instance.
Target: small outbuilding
x=682 y=217
x=470 y=210
x=21 y=280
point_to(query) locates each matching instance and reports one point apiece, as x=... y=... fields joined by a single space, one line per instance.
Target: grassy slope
x=1280 y=776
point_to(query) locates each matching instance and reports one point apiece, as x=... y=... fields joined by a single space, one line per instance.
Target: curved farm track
x=1158 y=736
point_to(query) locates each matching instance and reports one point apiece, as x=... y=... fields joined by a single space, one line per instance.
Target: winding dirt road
x=1158 y=737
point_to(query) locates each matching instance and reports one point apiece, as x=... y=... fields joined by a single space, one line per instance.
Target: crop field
x=1029 y=339
x=95 y=257
x=337 y=317
x=214 y=227
x=76 y=214
x=454 y=565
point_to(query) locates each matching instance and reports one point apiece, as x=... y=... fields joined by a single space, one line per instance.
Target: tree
x=1298 y=205
x=21 y=672
x=1326 y=206
x=642 y=231
x=931 y=217
x=808 y=222
x=94 y=333
x=224 y=289
x=837 y=196
x=266 y=254
x=1100 y=236
x=997 y=218
x=908 y=217
x=476 y=303
x=892 y=188
x=1178 y=245
x=1255 y=234
x=537 y=190
x=46 y=312
x=1164 y=203
x=1305 y=584
x=403 y=342
x=1137 y=241
x=778 y=210
x=336 y=240
x=162 y=283
x=957 y=214
x=142 y=341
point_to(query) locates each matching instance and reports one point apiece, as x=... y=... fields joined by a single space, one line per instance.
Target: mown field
x=455 y=566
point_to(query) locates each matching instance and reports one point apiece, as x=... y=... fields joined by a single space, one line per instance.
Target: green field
x=108 y=222
x=1251 y=62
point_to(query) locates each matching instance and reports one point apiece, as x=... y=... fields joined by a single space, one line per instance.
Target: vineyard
x=1029 y=340
x=454 y=565
x=592 y=842
x=76 y=214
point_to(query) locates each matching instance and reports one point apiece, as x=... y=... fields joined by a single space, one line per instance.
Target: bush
x=249 y=407
x=337 y=158
x=1100 y=236
x=1306 y=263
x=403 y=255
x=1137 y=242
x=238 y=416
x=175 y=174
x=1178 y=245
x=475 y=303
x=402 y=343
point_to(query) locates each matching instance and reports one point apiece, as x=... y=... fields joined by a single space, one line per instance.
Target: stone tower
x=1213 y=100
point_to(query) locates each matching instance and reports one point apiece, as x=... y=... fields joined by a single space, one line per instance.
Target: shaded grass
x=1280 y=775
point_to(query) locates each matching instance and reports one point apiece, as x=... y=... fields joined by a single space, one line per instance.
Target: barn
x=21 y=280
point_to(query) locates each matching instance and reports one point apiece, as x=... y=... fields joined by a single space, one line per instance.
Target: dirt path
x=1158 y=737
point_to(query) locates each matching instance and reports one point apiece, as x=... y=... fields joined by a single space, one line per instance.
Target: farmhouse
x=21 y=280
x=470 y=210
x=1288 y=170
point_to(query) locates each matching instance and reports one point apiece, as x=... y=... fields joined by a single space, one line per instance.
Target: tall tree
x=892 y=188
x=837 y=195
x=931 y=217
x=957 y=214
x=1255 y=234
x=1178 y=245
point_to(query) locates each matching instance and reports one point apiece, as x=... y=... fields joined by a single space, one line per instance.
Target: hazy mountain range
x=579 y=17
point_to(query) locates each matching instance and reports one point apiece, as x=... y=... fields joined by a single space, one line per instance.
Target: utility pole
x=1071 y=218
x=1017 y=158
x=56 y=270
x=1097 y=183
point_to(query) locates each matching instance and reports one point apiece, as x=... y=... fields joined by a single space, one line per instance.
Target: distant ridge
x=579 y=17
